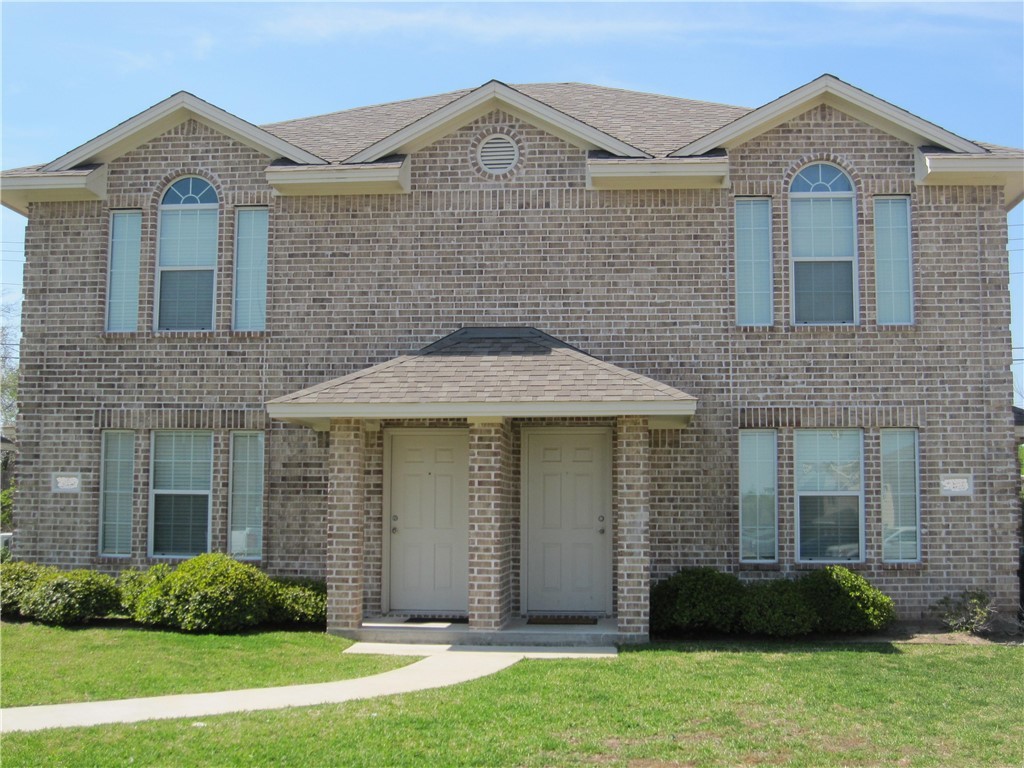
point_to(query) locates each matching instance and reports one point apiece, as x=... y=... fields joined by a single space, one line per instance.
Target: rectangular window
x=123 y=277
x=900 y=505
x=246 y=495
x=187 y=262
x=823 y=247
x=753 y=261
x=830 y=494
x=251 y=270
x=117 y=487
x=182 y=479
x=758 y=508
x=893 y=280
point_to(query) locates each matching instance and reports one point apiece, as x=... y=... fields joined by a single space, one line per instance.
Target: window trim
x=917 y=492
x=854 y=259
x=231 y=490
x=266 y=271
x=103 y=498
x=771 y=262
x=159 y=270
x=910 y=258
x=151 y=526
x=798 y=494
x=775 y=455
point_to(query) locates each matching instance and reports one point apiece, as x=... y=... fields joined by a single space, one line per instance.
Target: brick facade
x=641 y=279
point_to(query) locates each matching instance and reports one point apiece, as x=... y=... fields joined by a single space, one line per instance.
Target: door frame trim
x=386 y=478
x=524 y=522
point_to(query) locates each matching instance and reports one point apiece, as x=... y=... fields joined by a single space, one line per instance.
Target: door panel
x=428 y=520
x=567 y=492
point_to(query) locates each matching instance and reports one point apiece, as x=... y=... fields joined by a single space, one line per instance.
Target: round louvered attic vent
x=498 y=154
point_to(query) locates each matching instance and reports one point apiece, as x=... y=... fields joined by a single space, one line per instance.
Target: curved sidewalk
x=442 y=666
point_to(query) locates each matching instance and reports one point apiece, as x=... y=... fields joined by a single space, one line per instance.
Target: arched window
x=823 y=246
x=187 y=256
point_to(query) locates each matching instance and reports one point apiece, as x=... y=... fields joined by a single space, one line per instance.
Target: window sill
x=193 y=335
x=753 y=567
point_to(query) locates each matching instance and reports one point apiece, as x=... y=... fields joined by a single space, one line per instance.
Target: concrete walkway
x=441 y=666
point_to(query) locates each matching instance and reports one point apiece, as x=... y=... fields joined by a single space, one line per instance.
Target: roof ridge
x=455 y=94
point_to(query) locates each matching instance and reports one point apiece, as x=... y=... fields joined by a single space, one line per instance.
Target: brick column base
x=345 y=505
x=632 y=529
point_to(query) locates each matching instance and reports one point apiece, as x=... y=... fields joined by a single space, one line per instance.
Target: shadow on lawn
x=723 y=644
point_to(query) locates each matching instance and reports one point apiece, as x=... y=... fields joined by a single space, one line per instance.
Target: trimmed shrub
x=970 y=611
x=17 y=579
x=845 y=602
x=71 y=597
x=664 y=595
x=707 y=600
x=209 y=593
x=298 y=601
x=777 y=608
x=144 y=596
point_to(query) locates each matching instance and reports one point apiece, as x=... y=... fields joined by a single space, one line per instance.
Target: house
x=521 y=350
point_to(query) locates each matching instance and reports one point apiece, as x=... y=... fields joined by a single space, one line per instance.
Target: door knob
x=601 y=531
x=395 y=530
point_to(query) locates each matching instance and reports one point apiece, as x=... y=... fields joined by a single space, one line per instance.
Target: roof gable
x=829 y=89
x=170 y=112
x=493 y=95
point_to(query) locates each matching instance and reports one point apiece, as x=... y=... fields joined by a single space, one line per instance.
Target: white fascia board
x=16 y=192
x=171 y=112
x=487 y=97
x=973 y=170
x=843 y=96
x=393 y=178
x=313 y=412
x=653 y=174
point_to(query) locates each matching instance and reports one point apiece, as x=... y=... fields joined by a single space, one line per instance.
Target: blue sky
x=73 y=70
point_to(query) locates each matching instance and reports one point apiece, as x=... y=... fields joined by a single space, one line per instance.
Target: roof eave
x=697 y=173
x=168 y=113
x=492 y=95
x=18 y=192
x=850 y=100
x=973 y=170
x=393 y=178
x=319 y=415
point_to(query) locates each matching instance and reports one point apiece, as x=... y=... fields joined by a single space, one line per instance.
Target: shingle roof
x=668 y=122
x=491 y=365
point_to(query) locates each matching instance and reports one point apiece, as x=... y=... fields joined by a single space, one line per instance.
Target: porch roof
x=488 y=372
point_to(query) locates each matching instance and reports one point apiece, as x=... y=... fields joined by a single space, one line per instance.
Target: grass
x=686 y=705
x=50 y=665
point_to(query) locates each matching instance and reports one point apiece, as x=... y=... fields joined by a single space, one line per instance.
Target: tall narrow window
x=182 y=475
x=187 y=259
x=117 y=486
x=753 y=261
x=830 y=494
x=758 y=509
x=246 y=494
x=823 y=246
x=892 y=261
x=123 y=277
x=900 y=508
x=251 y=270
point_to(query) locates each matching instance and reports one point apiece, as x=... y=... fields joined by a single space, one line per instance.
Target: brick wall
x=643 y=279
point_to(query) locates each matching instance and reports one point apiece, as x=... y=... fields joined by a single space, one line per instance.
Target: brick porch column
x=345 y=502
x=490 y=544
x=632 y=531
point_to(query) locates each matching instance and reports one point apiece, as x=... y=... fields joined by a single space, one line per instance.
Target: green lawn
x=687 y=705
x=50 y=665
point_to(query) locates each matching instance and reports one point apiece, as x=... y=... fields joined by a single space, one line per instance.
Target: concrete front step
x=515 y=633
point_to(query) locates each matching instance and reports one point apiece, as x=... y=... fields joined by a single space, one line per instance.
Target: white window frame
x=853 y=259
x=771 y=263
x=114 y=215
x=775 y=465
x=231 y=490
x=266 y=268
x=917 y=494
x=798 y=494
x=161 y=269
x=103 y=496
x=910 y=257
x=153 y=492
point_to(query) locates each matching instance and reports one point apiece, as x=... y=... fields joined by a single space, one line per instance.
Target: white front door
x=427 y=521
x=567 y=493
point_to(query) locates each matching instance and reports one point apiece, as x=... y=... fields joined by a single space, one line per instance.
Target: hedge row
x=209 y=593
x=831 y=600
